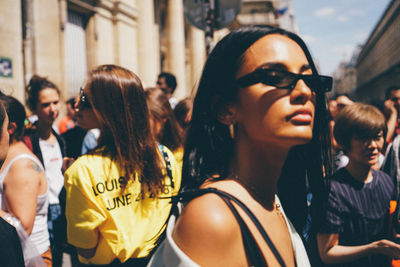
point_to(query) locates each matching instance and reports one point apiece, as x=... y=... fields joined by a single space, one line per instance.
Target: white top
x=173 y=101
x=40 y=234
x=52 y=159
x=170 y=255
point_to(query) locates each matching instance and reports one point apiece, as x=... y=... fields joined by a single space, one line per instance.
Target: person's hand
x=66 y=163
x=395 y=233
x=388 y=248
x=389 y=108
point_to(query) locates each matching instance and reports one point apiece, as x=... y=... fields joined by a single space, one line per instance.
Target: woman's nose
x=372 y=144
x=53 y=107
x=301 y=92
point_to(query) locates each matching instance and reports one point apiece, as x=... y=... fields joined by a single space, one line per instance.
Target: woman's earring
x=232 y=130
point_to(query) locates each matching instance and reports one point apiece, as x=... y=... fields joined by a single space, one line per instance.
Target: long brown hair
x=172 y=134
x=181 y=111
x=118 y=101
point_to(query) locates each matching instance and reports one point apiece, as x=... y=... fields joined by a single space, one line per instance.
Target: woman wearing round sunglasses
x=258 y=129
x=118 y=195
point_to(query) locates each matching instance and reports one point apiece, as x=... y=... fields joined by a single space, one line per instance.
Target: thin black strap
x=167 y=163
x=222 y=194
x=253 y=251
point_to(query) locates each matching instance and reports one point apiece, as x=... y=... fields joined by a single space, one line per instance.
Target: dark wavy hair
x=16 y=113
x=119 y=104
x=37 y=84
x=209 y=147
x=159 y=107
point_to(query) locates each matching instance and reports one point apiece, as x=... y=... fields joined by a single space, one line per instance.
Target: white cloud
x=343 y=18
x=326 y=11
x=309 y=39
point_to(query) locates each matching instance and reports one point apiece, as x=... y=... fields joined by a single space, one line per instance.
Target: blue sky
x=332 y=28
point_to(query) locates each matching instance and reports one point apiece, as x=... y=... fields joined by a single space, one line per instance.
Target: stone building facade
x=63 y=39
x=345 y=76
x=378 y=65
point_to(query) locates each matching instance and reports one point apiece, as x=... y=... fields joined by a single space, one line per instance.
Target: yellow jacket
x=121 y=222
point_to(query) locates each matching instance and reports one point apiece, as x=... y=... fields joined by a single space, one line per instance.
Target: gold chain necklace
x=258 y=196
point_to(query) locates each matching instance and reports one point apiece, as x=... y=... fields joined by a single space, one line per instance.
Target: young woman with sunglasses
x=118 y=195
x=259 y=128
x=48 y=146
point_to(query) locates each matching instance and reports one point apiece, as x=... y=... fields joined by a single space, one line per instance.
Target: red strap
x=28 y=142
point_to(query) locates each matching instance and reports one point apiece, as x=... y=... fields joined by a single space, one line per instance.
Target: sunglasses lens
x=312 y=82
x=83 y=101
x=321 y=84
x=277 y=78
x=326 y=83
x=286 y=80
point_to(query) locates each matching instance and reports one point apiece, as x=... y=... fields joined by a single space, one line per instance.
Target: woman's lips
x=301 y=116
x=373 y=155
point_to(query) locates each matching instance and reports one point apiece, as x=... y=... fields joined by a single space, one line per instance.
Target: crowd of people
x=258 y=170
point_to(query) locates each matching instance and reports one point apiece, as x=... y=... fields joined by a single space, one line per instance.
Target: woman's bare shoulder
x=24 y=170
x=208 y=212
x=207 y=227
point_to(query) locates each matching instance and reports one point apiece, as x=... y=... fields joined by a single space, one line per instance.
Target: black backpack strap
x=167 y=163
x=246 y=234
x=174 y=207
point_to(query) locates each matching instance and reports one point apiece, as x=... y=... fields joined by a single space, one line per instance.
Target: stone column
x=197 y=50
x=28 y=42
x=175 y=54
x=148 y=48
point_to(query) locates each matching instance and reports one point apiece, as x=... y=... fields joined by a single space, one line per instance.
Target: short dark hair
x=16 y=113
x=37 y=84
x=390 y=89
x=360 y=121
x=170 y=80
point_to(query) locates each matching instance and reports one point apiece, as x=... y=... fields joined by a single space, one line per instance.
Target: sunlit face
x=4 y=141
x=266 y=114
x=85 y=117
x=366 y=152
x=48 y=106
x=162 y=84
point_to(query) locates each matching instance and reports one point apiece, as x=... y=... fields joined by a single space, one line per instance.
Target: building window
x=75 y=53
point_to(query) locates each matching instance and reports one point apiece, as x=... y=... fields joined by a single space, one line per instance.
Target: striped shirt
x=359 y=212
